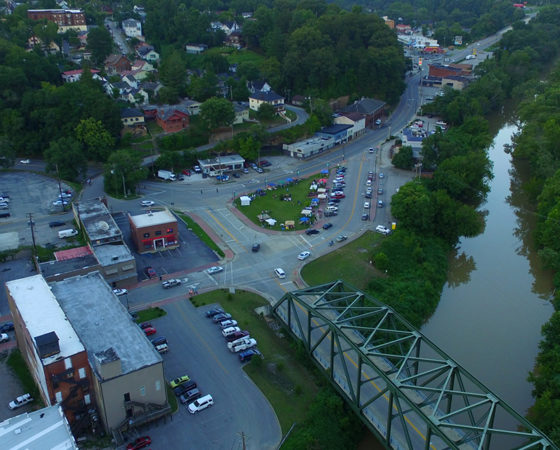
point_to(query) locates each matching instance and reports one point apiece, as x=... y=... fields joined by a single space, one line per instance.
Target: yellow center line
x=224 y=228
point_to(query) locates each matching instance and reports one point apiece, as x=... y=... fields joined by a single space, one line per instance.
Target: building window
x=146 y=235
x=68 y=363
x=158 y=233
x=143 y=391
x=169 y=230
x=58 y=396
x=82 y=372
x=158 y=385
x=87 y=399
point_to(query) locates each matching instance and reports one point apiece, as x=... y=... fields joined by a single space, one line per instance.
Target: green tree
x=65 y=157
x=100 y=44
x=173 y=72
x=217 y=112
x=7 y=152
x=413 y=208
x=123 y=171
x=96 y=140
x=404 y=159
x=266 y=112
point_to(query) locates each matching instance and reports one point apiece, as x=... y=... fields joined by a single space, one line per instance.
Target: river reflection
x=496 y=298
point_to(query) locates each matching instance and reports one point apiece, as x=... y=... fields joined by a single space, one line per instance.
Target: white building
x=132 y=28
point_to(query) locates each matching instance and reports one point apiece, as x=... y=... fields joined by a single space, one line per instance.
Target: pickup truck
x=171 y=283
x=249 y=343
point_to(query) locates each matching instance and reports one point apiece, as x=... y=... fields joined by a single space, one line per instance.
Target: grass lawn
x=146 y=315
x=153 y=127
x=200 y=233
x=279 y=209
x=291 y=115
x=17 y=364
x=349 y=263
x=288 y=384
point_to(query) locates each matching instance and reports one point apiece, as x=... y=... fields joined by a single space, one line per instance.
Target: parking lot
x=197 y=349
x=192 y=252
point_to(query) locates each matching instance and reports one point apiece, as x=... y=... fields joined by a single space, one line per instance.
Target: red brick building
x=172 y=119
x=51 y=348
x=66 y=19
x=154 y=231
x=463 y=70
x=115 y=64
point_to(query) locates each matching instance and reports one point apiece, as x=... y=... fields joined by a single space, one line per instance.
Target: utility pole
x=32 y=225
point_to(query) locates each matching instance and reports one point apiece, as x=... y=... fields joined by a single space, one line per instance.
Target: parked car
x=366 y=205
x=200 y=404
x=341 y=237
x=311 y=231
x=229 y=331
x=247 y=355
x=212 y=312
x=380 y=204
x=150 y=272
x=227 y=323
x=149 y=331
x=221 y=317
x=171 y=283
x=365 y=216
x=222 y=177
x=244 y=340
x=236 y=175
x=380 y=191
x=24 y=161
x=178 y=381
x=4 y=338
x=7 y=326
x=383 y=230
x=197 y=169
x=214 y=269
x=237 y=335
x=147 y=203
x=249 y=343
x=185 y=387
x=119 y=292
x=303 y=255
x=60 y=202
x=146 y=325
x=255 y=248
x=56 y=223
x=190 y=396
x=139 y=443
x=186 y=172
x=381 y=175
x=20 y=401
x=158 y=340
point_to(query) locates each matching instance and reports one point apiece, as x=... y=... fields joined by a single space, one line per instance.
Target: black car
x=334 y=200
x=330 y=213
x=365 y=216
x=255 y=248
x=159 y=340
x=214 y=311
x=5 y=327
x=190 y=396
x=327 y=226
x=311 y=231
x=220 y=317
x=56 y=223
x=183 y=388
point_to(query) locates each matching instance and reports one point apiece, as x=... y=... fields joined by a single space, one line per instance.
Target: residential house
x=389 y=22
x=71 y=76
x=226 y=27
x=191 y=106
x=370 y=108
x=241 y=112
x=137 y=96
x=234 y=40
x=132 y=118
x=66 y=19
x=272 y=98
x=172 y=118
x=140 y=69
x=140 y=11
x=196 y=49
x=132 y=28
x=116 y=64
x=151 y=88
x=147 y=53
x=258 y=86
x=355 y=119
x=298 y=100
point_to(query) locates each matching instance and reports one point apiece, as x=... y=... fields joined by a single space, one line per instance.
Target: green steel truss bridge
x=407 y=391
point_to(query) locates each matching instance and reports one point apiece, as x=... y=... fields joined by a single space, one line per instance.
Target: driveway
x=197 y=348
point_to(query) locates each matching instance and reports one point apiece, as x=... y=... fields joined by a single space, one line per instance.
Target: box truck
x=166 y=175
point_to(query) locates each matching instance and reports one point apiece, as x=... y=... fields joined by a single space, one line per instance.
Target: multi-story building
x=154 y=231
x=66 y=19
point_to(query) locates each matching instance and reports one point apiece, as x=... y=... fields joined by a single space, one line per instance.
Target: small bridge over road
x=408 y=392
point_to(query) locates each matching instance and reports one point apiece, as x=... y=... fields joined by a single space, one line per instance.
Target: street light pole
x=123 y=184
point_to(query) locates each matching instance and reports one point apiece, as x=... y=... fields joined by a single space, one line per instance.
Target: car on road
x=327 y=225
x=7 y=326
x=214 y=269
x=256 y=247
x=149 y=331
x=212 y=312
x=20 y=401
x=172 y=282
x=56 y=223
x=303 y=255
x=179 y=381
x=24 y=161
x=190 y=396
x=371 y=150
x=139 y=443
x=368 y=195
x=280 y=272
x=366 y=205
x=311 y=231
x=227 y=323
x=341 y=237
x=150 y=272
x=4 y=338
x=381 y=175
x=200 y=404
x=221 y=317
x=383 y=230
x=237 y=335
x=147 y=203
x=380 y=204
x=380 y=191
x=119 y=292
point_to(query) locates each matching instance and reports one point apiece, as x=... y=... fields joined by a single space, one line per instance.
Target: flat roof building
x=226 y=163
x=309 y=147
x=127 y=370
x=154 y=231
x=94 y=218
x=38 y=430
x=66 y=19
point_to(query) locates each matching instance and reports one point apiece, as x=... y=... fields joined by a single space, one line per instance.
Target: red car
x=141 y=442
x=338 y=196
x=149 y=331
x=187 y=172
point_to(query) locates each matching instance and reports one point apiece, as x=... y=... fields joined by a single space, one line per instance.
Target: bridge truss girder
x=407 y=391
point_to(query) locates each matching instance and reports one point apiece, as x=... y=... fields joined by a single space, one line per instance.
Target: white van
x=229 y=331
x=280 y=272
x=200 y=404
x=67 y=233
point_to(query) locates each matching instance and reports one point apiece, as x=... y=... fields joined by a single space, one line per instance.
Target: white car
x=214 y=269
x=280 y=272
x=383 y=230
x=59 y=202
x=25 y=161
x=119 y=292
x=147 y=203
x=20 y=401
x=249 y=343
x=4 y=338
x=230 y=330
x=303 y=255
x=366 y=205
x=237 y=342
x=228 y=323
x=200 y=404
